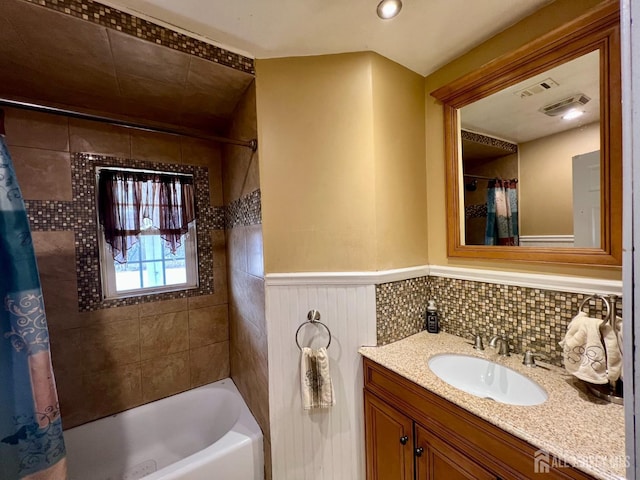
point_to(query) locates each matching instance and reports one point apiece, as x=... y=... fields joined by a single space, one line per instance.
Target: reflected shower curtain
x=502 y=213
x=31 y=441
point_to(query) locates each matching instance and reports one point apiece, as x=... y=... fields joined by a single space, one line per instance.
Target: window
x=147 y=232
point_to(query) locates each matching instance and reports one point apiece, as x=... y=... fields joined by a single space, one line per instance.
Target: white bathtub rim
x=245 y=430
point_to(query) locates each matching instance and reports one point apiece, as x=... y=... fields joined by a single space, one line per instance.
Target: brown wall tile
x=115 y=314
x=164 y=376
x=115 y=343
x=109 y=360
x=42 y=174
x=220 y=292
x=165 y=306
x=155 y=147
x=219 y=245
x=56 y=257
x=134 y=56
x=255 y=252
x=253 y=384
x=209 y=363
x=36 y=130
x=208 y=325
x=196 y=151
x=237 y=249
x=249 y=338
x=164 y=334
x=215 y=183
x=73 y=392
x=114 y=390
x=247 y=295
x=94 y=137
x=67 y=352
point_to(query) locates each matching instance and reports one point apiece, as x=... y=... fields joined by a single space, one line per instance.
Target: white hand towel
x=583 y=351
x=315 y=379
x=612 y=342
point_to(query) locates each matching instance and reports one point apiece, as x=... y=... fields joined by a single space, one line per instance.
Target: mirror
x=533 y=149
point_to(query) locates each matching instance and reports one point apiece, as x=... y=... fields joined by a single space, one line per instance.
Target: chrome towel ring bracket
x=313 y=318
x=608 y=317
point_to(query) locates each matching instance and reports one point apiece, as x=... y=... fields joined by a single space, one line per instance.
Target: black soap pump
x=432 y=318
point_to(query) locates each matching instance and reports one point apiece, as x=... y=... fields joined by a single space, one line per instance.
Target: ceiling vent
x=563 y=106
x=541 y=86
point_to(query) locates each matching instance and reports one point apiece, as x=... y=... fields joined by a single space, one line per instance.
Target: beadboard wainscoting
x=323 y=444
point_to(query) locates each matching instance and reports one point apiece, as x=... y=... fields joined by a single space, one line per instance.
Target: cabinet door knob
x=419 y=451
x=404 y=440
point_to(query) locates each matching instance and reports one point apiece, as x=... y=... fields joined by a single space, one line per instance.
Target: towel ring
x=313 y=318
x=606 y=304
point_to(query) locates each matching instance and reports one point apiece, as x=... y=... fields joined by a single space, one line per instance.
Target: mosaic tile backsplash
x=110 y=17
x=532 y=318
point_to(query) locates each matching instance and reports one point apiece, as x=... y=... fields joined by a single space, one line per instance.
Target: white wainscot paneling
x=546 y=241
x=328 y=443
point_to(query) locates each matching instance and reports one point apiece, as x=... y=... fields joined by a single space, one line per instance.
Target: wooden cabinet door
x=389 y=441
x=437 y=460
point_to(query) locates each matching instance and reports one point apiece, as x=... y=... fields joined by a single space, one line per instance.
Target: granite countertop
x=572 y=426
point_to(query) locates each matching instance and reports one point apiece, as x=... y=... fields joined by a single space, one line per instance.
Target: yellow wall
x=552 y=16
x=400 y=170
x=546 y=173
x=342 y=163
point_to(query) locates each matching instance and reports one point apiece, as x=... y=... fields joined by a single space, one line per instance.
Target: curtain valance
x=132 y=201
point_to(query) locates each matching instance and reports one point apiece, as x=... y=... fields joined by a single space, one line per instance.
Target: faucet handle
x=478 y=344
x=529 y=358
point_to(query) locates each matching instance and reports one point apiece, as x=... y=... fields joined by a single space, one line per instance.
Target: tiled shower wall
x=241 y=184
x=532 y=318
x=111 y=359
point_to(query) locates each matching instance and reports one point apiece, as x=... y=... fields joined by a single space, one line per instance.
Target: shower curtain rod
x=252 y=144
x=479 y=177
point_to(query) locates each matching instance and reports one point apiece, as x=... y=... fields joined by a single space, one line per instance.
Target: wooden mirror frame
x=599 y=29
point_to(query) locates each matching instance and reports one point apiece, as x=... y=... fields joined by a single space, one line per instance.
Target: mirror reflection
x=531 y=161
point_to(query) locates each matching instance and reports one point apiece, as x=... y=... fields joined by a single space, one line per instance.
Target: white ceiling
x=425 y=36
x=507 y=116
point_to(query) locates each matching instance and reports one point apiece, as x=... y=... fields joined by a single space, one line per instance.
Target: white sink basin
x=486 y=379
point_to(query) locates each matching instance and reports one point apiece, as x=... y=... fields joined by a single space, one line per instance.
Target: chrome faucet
x=529 y=358
x=501 y=343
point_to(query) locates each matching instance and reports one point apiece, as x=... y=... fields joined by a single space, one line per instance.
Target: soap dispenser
x=432 y=323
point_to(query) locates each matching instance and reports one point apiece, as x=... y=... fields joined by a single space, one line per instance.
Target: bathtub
x=203 y=434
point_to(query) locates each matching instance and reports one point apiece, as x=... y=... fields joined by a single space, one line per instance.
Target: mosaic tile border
x=50 y=215
x=401 y=308
x=533 y=318
x=490 y=141
x=110 y=17
x=245 y=211
x=83 y=211
x=478 y=210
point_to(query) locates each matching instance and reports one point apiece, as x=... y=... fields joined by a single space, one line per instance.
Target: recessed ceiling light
x=571 y=114
x=389 y=8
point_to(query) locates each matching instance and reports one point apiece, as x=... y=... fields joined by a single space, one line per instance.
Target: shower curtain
x=31 y=441
x=502 y=213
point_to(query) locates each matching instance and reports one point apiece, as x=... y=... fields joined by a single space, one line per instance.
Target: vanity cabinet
x=399 y=448
x=412 y=433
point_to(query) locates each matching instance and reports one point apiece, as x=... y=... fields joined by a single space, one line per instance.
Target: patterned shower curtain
x=31 y=441
x=502 y=213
